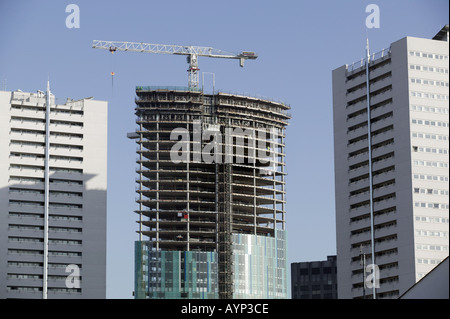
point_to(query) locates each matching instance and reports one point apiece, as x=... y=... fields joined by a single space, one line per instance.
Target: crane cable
x=112 y=50
x=112 y=82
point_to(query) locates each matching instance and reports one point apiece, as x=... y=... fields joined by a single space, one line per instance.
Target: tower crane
x=192 y=52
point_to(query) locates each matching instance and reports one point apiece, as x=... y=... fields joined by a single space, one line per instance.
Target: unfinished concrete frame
x=197 y=205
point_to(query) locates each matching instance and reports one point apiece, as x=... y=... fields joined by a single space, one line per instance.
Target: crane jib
x=191 y=51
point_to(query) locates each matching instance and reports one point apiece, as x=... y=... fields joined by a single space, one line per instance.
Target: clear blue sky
x=298 y=42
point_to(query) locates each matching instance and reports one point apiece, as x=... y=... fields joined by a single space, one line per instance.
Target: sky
x=298 y=43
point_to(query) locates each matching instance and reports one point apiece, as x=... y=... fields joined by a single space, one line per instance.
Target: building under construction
x=211 y=195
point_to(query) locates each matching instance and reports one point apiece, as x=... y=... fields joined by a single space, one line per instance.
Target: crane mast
x=192 y=53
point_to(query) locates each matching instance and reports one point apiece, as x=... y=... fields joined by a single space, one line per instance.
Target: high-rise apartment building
x=391 y=176
x=52 y=196
x=211 y=187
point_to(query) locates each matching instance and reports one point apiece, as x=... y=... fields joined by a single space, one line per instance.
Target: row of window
x=428 y=261
x=430 y=163
x=432 y=247
x=41 y=121
x=50 y=228
x=363 y=111
x=430 y=122
x=430 y=191
x=431 y=219
x=39 y=289
x=35 y=276
x=372 y=82
x=51 y=205
x=431 y=205
x=40 y=252
x=67 y=123
x=438 y=178
x=27 y=120
x=52 y=157
x=21 y=179
x=376 y=201
x=39 y=132
x=377 y=159
x=52 y=145
x=429 y=82
x=421 y=274
x=42 y=109
x=51 y=216
x=23 y=191
x=25 y=227
x=432 y=233
x=427 y=95
x=382 y=117
x=41 y=168
x=317 y=288
x=431 y=109
x=428 y=68
x=41 y=240
x=372 y=95
x=24 y=276
x=365 y=150
x=428 y=55
x=389 y=294
x=430 y=136
x=365 y=177
x=37 y=264
x=365 y=190
x=433 y=150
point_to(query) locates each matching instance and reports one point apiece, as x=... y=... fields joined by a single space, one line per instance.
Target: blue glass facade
x=259 y=270
x=260 y=266
x=175 y=274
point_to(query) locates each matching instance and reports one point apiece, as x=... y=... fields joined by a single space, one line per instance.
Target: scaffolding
x=197 y=205
x=225 y=242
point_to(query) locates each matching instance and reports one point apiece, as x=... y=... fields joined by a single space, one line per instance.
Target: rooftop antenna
x=46 y=188
x=369 y=140
x=363 y=263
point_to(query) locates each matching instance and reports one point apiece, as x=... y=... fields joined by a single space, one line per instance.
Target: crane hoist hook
x=112 y=49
